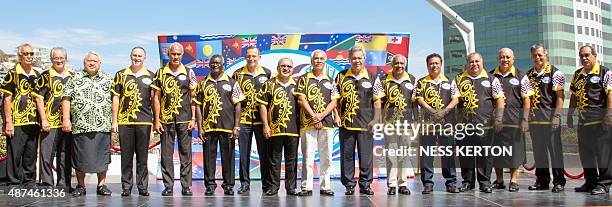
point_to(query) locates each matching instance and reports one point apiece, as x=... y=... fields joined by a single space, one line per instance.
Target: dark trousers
x=57 y=145
x=447 y=162
x=173 y=132
x=244 y=147
x=22 y=150
x=290 y=146
x=134 y=139
x=594 y=145
x=483 y=164
x=226 y=146
x=546 y=142
x=364 y=142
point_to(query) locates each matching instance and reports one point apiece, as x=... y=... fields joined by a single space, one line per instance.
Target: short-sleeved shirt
x=21 y=86
x=546 y=84
x=175 y=93
x=50 y=87
x=90 y=102
x=134 y=92
x=217 y=99
x=437 y=94
x=397 y=104
x=250 y=83
x=477 y=97
x=516 y=87
x=591 y=91
x=358 y=92
x=319 y=92
x=282 y=107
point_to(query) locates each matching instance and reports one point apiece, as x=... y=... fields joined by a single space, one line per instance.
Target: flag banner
x=379 y=47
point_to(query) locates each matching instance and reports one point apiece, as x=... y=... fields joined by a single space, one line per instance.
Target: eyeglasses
x=58 y=58
x=27 y=53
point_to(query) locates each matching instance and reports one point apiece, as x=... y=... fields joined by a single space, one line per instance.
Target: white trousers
x=398 y=167
x=320 y=139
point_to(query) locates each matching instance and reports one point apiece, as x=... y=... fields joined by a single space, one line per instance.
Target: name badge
x=182 y=77
x=409 y=86
x=514 y=81
x=227 y=87
x=546 y=80
x=595 y=79
x=366 y=84
x=328 y=85
x=486 y=83
x=446 y=86
x=263 y=79
x=147 y=81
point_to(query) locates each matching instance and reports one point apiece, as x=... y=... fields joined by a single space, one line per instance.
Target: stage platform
x=256 y=199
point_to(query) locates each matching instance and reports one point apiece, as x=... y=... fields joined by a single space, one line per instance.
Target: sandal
x=103 y=190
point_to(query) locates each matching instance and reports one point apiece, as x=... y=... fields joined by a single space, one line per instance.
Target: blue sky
x=114 y=27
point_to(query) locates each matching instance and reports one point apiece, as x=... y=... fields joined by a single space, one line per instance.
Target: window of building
x=586 y=14
x=455 y=39
x=591 y=2
x=586 y=31
x=579 y=13
x=605 y=6
x=606 y=21
x=579 y=28
x=457 y=53
x=593 y=32
x=591 y=15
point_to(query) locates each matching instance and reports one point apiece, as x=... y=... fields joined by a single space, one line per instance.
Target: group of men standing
x=74 y=114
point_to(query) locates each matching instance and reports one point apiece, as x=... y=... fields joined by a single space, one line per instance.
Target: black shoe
x=167 y=192
x=244 y=189
x=125 y=193
x=391 y=191
x=103 y=190
x=228 y=191
x=486 y=189
x=187 y=192
x=427 y=190
x=79 y=191
x=514 y=187
x=292 y=193
x=452 y=189
x=466 y=187
x=600 y=189
x=498 y=185
x=367 y=190
x=538 y=186
x=558 y=189
x=349 y=191
x=404 y=190
x=583 y=188
x=271 y=192
x=209 y=191
x=143 y=192
x=327 y=192
x=305 y=193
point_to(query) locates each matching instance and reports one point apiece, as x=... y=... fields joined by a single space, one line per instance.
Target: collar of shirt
x=594 y=70
x=429 y=79
x=310 y=75
x=404 y=77
x=54 y=73
x=181 y=69
x=86 y=75
x=290 y=82
x=362 y=74
x=141 y=72
x=223 y=77
x=258 y=71
x=20 y=70
x=547 y=69
x=483 y=74
x=512 y=71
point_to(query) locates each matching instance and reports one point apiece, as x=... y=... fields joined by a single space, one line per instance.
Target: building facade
x=562 y=25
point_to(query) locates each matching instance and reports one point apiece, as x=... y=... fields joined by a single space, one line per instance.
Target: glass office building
x=562 y=25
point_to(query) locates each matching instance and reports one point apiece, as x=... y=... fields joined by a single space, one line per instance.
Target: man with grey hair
x=86 y=112
x=481 y=102
x=359 y=110
x=592 y=94
x=55 y=144
x=317 y=97
x=547 y=102
x=21 y=118
x=174 y=117
x=398 y=107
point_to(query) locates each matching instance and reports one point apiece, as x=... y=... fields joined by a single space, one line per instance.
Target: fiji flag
x=311 y=42
x=263 y=42
x=232 y=50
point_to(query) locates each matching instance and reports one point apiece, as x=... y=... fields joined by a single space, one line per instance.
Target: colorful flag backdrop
x=380 y=48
